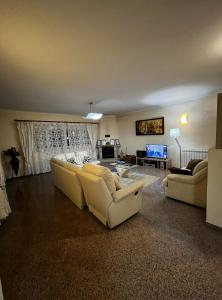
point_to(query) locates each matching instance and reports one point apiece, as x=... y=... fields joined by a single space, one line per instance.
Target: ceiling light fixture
x=92 y=115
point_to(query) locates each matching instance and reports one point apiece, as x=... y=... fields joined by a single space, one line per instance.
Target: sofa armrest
x=134 y=188
x=187 y=179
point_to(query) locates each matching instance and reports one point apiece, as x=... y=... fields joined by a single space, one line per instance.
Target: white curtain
x=78 y=138
x=93 y=135
x=50 y=138
x=25 y=131
x=4 y=205
x=41 y=141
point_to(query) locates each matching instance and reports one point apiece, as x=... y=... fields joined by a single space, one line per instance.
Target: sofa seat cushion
x=103 y=172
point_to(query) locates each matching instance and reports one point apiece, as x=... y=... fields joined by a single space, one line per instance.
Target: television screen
x=156 y=151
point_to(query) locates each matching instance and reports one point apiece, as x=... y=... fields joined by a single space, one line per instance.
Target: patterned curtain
x=78 y=138
x=93 y=135
x=47 y=139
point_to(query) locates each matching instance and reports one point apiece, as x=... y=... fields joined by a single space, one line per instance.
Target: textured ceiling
x=57 y=56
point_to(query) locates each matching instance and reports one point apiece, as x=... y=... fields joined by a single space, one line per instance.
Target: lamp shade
x=93 y=116
x=175 y=132
x=184 y=119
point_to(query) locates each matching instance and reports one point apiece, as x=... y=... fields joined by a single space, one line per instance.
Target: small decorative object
x=153 y=126
x=99 y=142
x=103 y=142
x=121 y=155
x=112 y=142
x=13 y=153
x=117 y=142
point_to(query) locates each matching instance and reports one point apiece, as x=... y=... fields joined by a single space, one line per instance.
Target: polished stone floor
x=49 y=249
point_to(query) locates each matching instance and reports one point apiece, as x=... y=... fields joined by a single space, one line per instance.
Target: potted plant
x=13 y=153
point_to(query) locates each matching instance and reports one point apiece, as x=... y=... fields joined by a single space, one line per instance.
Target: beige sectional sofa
x=96 y=187
x=65 y=177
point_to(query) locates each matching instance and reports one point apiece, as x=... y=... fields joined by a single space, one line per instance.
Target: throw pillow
x=174 y=170
x=192 y=164
x=116 y=181
x=86 y=159
x=72 y=160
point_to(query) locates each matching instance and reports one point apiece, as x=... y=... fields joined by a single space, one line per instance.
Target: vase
x=15 y=165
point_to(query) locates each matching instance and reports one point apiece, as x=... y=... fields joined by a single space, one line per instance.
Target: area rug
x=147 y=179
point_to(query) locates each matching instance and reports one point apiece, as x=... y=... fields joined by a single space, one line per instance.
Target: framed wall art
x=154 y=126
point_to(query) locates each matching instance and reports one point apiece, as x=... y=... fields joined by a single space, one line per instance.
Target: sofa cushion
x=201 y=165
x=72 y=160
x=116 y=181
x=60 y=157
x=69 y=155
x=174 y=170
x=192 y=164
x=103 y=172
x=79 y=157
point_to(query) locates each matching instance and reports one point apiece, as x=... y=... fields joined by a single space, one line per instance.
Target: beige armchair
x=109 y=205
x=186 y=188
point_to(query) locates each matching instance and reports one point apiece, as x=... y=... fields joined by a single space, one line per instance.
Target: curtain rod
x=54 y=121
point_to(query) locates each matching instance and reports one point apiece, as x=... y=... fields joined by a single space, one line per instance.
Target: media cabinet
x=158 y=162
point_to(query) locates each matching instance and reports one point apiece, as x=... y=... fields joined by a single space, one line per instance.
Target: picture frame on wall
x=154 y=126
x=112 y=142
x=103 y=142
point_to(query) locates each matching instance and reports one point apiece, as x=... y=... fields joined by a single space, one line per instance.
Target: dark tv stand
x=157 y=162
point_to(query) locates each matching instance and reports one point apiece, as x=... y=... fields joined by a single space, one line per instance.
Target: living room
x=87 y=211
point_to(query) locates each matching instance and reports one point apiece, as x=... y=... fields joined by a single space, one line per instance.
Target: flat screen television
x=156 y=151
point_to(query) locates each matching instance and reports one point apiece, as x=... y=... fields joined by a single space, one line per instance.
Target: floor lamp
x=175 y=133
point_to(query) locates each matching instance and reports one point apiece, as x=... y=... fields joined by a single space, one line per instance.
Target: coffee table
x=122 y=169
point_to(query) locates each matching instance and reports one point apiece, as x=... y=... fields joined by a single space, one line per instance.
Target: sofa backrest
x=102 y=172
x=201 y=165
x=97 y=195
x=78 y=156
x=67 y=181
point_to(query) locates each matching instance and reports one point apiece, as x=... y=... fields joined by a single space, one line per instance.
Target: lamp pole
x=179 y=148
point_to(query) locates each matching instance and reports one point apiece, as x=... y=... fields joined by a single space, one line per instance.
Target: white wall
x=214 y=198
x=200 y=132
x=108 y=125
